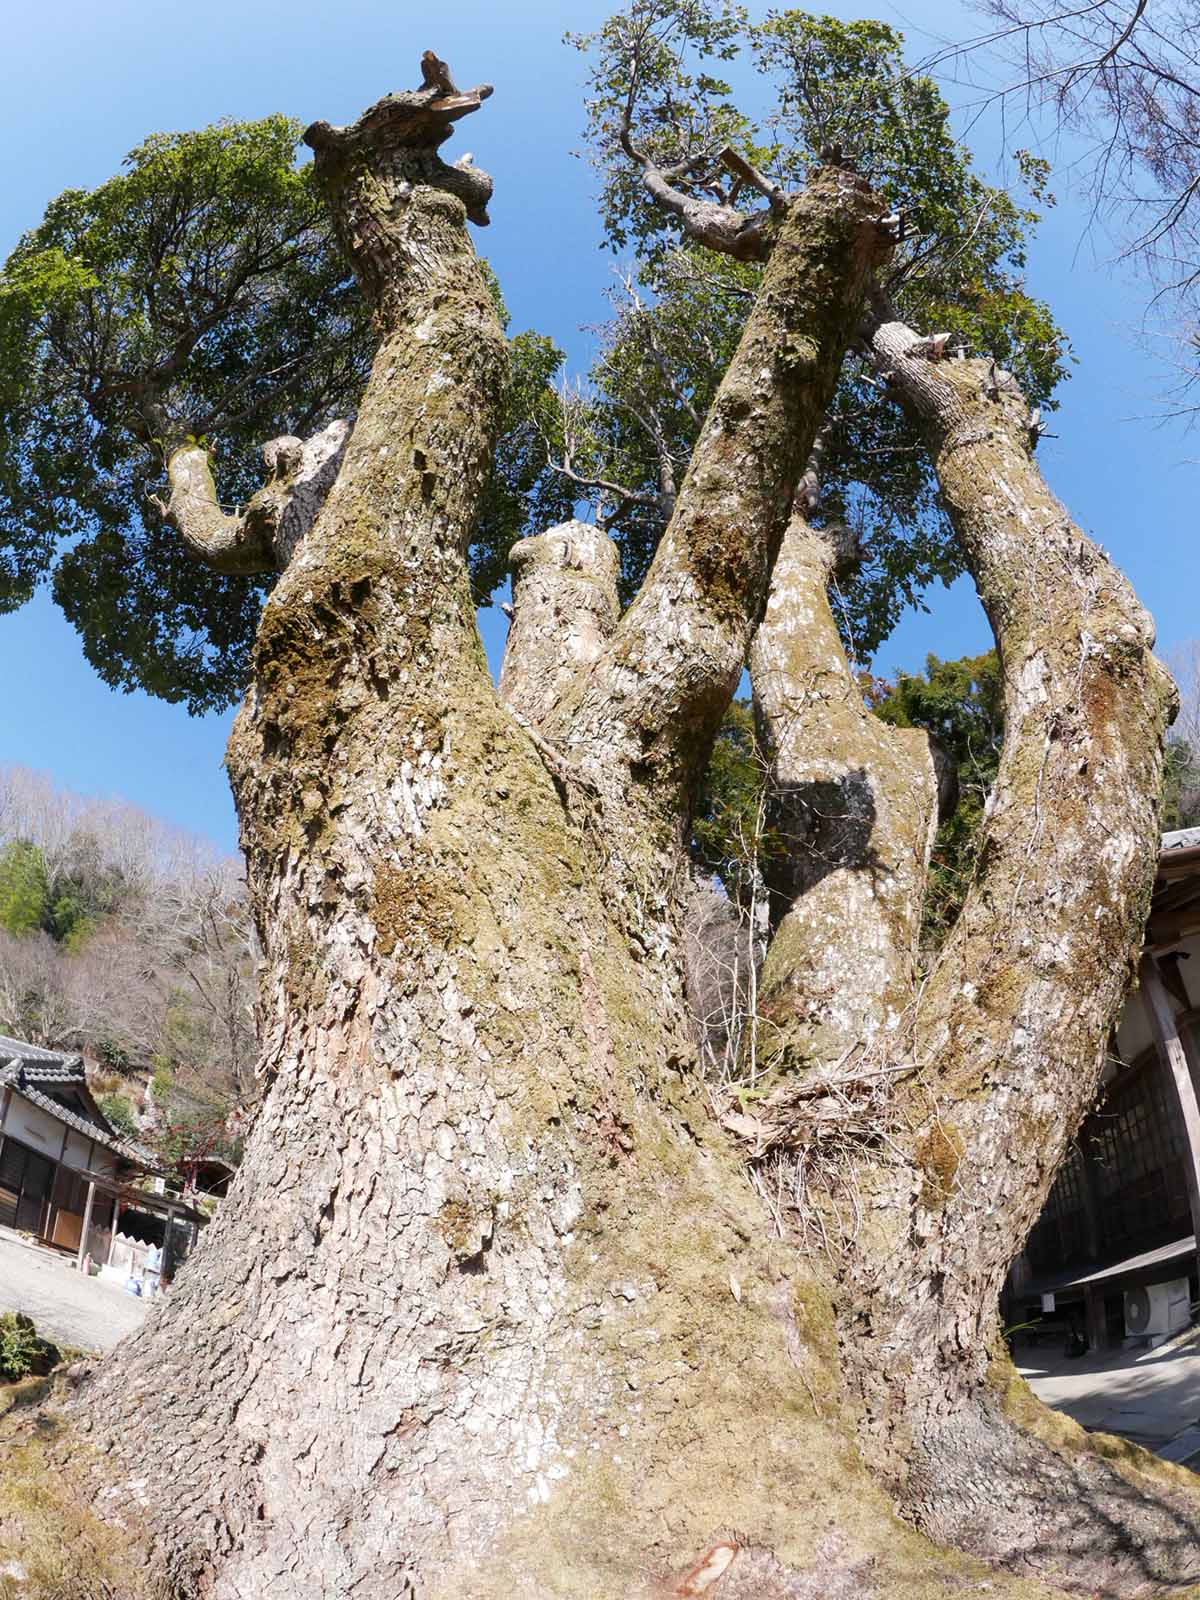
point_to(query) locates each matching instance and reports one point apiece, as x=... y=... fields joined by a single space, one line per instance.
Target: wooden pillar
x=1187 y=1037
x=1095 y=1320
x=166 y=1256
x=54 y=1208
x=112 y=1238
x=87 y=1222
x=1161 y=1017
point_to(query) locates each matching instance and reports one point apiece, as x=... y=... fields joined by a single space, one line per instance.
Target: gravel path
x=65 y=1306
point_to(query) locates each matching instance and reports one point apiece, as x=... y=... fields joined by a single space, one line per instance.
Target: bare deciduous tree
x=160 y=970
x=1124 y=75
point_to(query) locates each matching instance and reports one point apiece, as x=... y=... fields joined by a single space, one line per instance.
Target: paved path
x=1149 y=1396
x=65 y=1306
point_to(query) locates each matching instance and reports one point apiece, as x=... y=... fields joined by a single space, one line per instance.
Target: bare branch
x=681 y=645
x=741 y=168
x=264 y=536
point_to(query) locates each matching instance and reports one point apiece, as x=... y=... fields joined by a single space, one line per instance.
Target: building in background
x=68 y=1178
x=1113 y=1255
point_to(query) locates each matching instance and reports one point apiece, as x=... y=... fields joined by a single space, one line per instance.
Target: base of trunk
x=714 y=1451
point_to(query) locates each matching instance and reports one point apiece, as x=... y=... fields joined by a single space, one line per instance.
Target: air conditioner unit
x=1157 y=1310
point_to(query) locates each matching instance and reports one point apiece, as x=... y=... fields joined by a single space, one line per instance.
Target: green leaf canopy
x=198 y=294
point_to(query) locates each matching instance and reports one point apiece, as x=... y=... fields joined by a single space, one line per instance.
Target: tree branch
x=564 y=610
x=1010 y=1027
x=851 y=814
x=616 y=492
x=660 y=688
x=264 y=536
x=741 y=168
x=744 y=236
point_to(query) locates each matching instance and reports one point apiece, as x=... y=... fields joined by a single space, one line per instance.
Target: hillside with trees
x=130 y=942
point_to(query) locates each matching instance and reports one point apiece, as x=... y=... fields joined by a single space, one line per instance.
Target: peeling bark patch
x=709 y=1570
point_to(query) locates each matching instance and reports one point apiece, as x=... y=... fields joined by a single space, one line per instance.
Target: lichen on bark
x=494 y=1307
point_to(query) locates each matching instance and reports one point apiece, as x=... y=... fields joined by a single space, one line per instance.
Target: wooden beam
x=167 y=1241
x=1169 y=928
x=1161 y=1016
x=87 y=1222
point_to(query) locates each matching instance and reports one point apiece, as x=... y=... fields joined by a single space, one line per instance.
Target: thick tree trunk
x=1006 y=1041
x=492 y=1308
x=489 y=1308
x=853 y=809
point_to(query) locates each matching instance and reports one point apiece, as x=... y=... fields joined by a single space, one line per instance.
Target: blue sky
x=81 y=83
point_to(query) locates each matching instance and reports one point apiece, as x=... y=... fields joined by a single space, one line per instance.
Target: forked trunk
x=489 y=1309
x=492 y=1308
x=850 y=824
x=946 y=1116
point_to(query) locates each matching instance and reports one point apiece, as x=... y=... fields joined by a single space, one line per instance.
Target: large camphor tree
x=499 y=1304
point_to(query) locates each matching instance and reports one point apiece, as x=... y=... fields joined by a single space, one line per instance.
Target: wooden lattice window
x=1060 y=1235
x=1136 y=1144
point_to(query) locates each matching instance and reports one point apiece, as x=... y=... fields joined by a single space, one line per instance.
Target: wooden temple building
x=67 y=1177
x=1113 y=1256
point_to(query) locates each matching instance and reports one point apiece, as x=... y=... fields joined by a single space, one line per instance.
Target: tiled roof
x=45 y=1063
x=1181 y=839
x=84 y=1125
x=31 y=1070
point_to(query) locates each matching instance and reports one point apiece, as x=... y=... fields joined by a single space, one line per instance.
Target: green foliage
x=22 y=1352
x=1181 y=784
x=112 y=1054
x=189 y=1138
x=727 y=822
x=198 y=293
x=88 y=888
x=961 y=703
x=521 y=491
x=118 y=1108
x=24 y=896
x=662 y=65
x=85 y=890
x=959 y=269
x=162 y=1081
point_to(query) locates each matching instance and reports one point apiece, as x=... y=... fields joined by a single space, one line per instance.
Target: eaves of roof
x=102 y=1136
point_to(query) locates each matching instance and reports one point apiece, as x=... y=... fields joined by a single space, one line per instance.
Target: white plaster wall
x=78 y=1152
x=34 y=1127
x=1133 y=1035
x=1189 y=970
x=44 y=1133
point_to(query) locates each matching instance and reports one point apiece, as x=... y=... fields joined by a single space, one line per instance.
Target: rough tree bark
x=852 y=814
x=492 y=1308
x=920 y=1122
x=264 y=535
x=1009 y=1030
